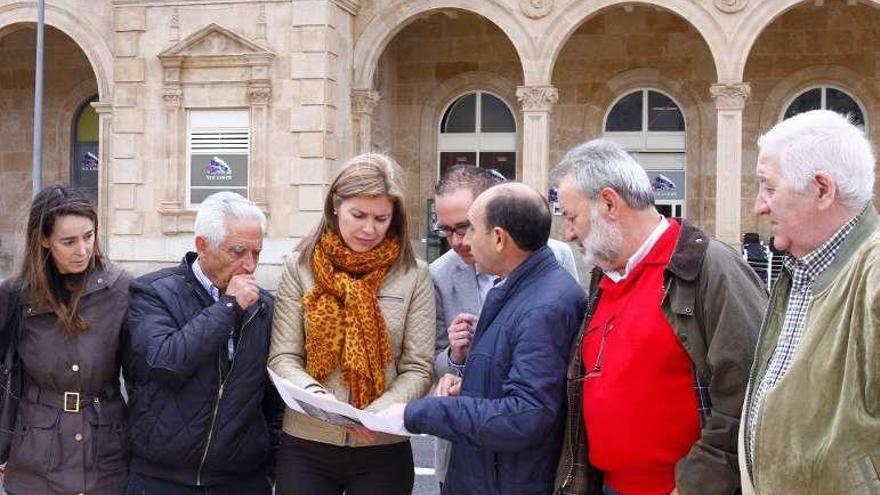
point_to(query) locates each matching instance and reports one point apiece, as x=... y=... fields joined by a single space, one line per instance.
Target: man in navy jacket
x=203 y=413
x=505 y=415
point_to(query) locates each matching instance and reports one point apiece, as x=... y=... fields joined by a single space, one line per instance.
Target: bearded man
x=659 y=369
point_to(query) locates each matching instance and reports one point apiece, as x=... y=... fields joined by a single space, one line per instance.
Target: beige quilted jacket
x=406 y=299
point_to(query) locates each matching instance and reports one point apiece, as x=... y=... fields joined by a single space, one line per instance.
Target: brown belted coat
x=70 y=434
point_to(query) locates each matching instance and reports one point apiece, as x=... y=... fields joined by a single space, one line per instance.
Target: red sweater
x=640 y=409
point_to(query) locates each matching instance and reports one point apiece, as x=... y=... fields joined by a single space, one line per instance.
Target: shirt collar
x=640 y=253
x=817 y=260
x=204 y=280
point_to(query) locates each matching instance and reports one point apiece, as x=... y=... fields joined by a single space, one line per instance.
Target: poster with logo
x=211 y=173
x=668 y=185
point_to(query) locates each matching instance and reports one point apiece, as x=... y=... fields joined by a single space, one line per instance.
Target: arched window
x=650 y=125
x=84 y=144
x=825 y=98
x=478 y=129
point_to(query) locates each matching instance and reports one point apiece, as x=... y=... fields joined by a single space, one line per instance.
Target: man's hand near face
x=244 y=289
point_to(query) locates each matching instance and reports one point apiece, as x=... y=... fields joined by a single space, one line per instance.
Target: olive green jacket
x=818 y=430
x=713 y=302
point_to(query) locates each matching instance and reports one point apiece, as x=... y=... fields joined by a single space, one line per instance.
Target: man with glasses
x=460 y=287
x=505 y=414
x=659 y=369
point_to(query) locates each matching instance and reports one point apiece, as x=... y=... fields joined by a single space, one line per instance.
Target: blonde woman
x=355 y=319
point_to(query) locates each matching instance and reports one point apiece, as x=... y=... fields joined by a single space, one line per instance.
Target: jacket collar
x=687 y=259
x=536 y=261
x=191 y=281
x=864 y=228
x=98 y=279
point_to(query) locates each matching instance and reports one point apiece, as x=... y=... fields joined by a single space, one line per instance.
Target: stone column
x=259 y=95
x=537 y=103
x=730 y=99
x=363 y=102
x=105 y=119
x=174 y=188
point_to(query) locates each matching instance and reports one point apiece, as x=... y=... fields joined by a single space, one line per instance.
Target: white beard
x=603 y=244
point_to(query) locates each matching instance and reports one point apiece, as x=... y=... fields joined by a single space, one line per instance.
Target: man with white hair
x=204 y=417
x=811 y=422
x=658 y=370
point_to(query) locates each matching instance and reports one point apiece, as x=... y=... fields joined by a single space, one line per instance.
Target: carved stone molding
x=731 y=6
x=364 y=100
x=174 y=25
x=535 y=9
x=259 y=95
x=537 y=98
x=350 y=6
x=261 y=23
x=173 y=97
x=730 y=96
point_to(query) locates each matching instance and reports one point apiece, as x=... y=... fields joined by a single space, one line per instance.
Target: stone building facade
x=153 y=104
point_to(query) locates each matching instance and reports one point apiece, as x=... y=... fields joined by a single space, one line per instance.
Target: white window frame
x=476 y=142
x=219 y=121
x=823 y=99
x=654 y=150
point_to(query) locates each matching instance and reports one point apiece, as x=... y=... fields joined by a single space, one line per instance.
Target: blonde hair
x=366 y=175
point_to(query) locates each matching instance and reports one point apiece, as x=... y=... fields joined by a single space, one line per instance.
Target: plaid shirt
x=803 y=273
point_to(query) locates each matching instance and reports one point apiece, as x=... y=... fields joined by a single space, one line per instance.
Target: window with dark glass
x=626 y=115
x=478 y=129
x=826 y=98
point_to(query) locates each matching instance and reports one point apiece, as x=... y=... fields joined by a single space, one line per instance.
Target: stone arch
x=87 y=37
x=569 y=19
x=759 y=17
x=386 y=23
x=696 y=117
x=846 y=79
x=432 y=111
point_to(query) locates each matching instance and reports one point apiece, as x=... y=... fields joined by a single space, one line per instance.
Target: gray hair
x=824 y=140
x=600 y=163
x=217 y=208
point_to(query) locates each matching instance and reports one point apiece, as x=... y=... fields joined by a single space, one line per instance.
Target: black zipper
x=222 y=379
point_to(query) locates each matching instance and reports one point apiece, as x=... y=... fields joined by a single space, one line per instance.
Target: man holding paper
x=504 y=416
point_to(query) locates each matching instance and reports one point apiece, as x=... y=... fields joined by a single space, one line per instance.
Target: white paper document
x=330 y=410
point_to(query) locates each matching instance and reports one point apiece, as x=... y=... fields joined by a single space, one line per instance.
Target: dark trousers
x=316 y=468
x=139 y=484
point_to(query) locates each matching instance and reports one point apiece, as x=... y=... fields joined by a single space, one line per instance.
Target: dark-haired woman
x=70 y=433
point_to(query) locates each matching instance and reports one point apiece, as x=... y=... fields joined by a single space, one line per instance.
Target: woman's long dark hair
x=38 y=274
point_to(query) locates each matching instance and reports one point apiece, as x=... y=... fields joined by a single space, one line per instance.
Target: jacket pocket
x=109 y=452
x=37 y=444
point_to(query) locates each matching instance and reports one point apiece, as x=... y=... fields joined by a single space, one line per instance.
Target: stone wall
x=835 y=44
x=619 y=51
x=425 y=67
x=68 y=82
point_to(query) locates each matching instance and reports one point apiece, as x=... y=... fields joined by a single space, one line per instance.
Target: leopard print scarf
x=344 y=322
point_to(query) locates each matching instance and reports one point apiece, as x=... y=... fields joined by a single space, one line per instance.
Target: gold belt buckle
x=71 y=396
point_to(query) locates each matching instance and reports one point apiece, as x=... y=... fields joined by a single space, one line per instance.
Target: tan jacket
x=818 y=430
x=406 y=299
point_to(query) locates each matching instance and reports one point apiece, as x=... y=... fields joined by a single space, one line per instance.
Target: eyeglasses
x=459 y=229
x=596 y=370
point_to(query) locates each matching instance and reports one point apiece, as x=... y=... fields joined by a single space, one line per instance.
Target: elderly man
x=659 y=369
x=203 y=413
x=811 y=423
x=504 y=417
x=459 y=287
